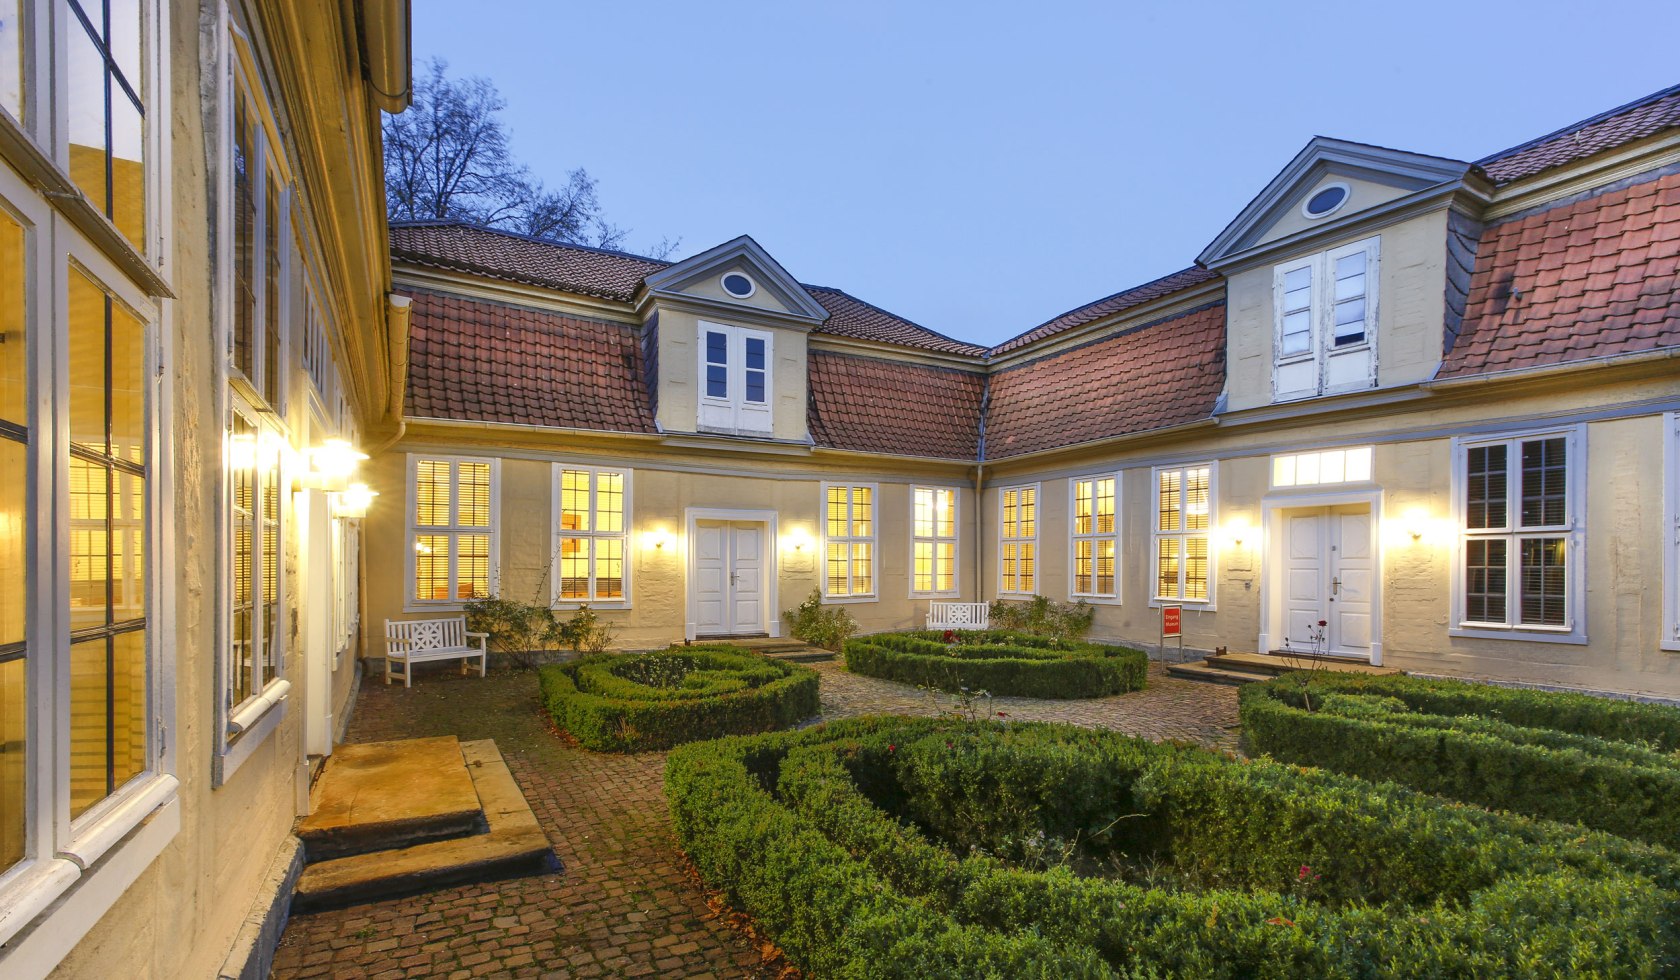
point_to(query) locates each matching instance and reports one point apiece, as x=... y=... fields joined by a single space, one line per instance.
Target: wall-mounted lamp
x=657 y=539
x=331 y=465
x=799 y=539
x=1237 y=529
x=354 y=501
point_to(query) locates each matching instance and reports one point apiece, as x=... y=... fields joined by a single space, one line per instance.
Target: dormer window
x=1326 y=321
x=1327 y=201
x=735 y=379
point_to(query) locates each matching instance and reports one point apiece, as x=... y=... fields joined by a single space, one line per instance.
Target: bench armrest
x=479 y=636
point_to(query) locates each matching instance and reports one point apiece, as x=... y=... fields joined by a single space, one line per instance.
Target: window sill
x=1095 y=600
x=417 y=607
x=1520 y=634
x=57 y=905
x=613 y=605
x=952 y=594
x=262 y=715
x=1193 y=605
x=848 y=600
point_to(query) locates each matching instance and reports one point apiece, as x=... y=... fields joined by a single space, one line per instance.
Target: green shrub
x=584 y=631
x=822 y=626
x=892 y=847
x=1043 y=616
x=1607 y=764
x=517 y=629
x=637 y=702
x=999 y=663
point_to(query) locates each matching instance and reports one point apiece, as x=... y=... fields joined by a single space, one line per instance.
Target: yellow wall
x=679 y=372
x=1411 y=311
x=1362 y=196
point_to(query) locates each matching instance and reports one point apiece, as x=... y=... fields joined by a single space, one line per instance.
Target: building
x=1429 y=403
x=195 y=321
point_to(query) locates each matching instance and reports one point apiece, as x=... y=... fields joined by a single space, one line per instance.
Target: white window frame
x=733 y=412
x=592 y=535
x=1295 y=465
x=1157 y=536
x=1671 y=532
x=954 y=539
x=452 y=530
x=1572 y=531
x=1322 y=316
x=73 y=871
x=1020 y=539
x=1093 y=536
x=872 y=539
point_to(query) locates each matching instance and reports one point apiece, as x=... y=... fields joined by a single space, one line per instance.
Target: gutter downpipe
x=397 y=312
x=979 y=497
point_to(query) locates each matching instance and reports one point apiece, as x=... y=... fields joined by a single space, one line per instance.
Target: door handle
x=1335 y=586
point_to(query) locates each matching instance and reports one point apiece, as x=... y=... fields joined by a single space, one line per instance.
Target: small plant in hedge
x=633 y=702
x=892 y=847
x=821 y=626
x=1606 y=764
x=1043 y=616
x=584 y=631
x=1001 y=663
x=519 y=630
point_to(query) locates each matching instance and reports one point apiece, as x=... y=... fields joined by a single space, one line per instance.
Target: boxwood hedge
x=999 y=663
x=890 y=847
x=1611 y=765
x=633 y=702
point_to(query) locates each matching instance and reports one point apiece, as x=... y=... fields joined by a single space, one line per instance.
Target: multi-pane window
x=14 y=550
x=1018 y=540
x=849 y=540
x=1516 y=497
x=107 y=111
x=734 y=378
x=593 y=534
x=257 y=336
x=1326 y=322
x=255 y=648
x=1096 y=536
x=933 y=548
x=452 y=531
x=12 y=78
x=1330 y=466
x=1183 y=517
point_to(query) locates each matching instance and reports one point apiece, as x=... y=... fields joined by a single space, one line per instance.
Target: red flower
x=1302 y=874
x=1323 y=623
x=891 y=747
x=950 y=636
x=1003 y=714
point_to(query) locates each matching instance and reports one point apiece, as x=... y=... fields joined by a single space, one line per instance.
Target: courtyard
x=627 y=903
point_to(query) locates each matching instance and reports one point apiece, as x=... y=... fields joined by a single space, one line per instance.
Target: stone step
x=802 y=655
x=512 y=844
x=1284 y=662
x=379 y=796
x=1201 y=671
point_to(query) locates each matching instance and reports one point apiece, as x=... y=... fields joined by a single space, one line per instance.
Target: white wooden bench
x=412 y=641
x=959 y=616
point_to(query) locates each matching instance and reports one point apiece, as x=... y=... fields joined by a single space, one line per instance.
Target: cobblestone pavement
x=1168 y=708
x=625 y=905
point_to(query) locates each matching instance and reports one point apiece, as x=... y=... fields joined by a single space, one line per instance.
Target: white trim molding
x=1184 y=535
x=592 y=534
x=452 y=530
x=936 y=539
x=1274 y=539
x=1020 y=496
x=772 y=618
x=1095 y=536
x=1671 y=532
x=851 y=539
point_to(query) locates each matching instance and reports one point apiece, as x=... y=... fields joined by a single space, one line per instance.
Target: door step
x=396 y=818
x=1247 y=668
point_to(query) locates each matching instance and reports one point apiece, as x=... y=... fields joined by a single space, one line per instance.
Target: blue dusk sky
x=981 y=167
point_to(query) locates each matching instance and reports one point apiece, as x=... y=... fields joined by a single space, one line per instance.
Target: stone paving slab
x=377 y=795
x=626 y=906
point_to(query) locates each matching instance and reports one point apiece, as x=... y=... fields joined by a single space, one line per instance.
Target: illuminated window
x=1096 y=537
x=107 y=112
x=933 y=546
x=452 y=531
x=258 y=335
x=1318 y=469
x=256 y=649
x=1519 y=532
x=849 y=541
x=14 y=545
x=1018 y=540
x=592 y=537
x=1184 y=504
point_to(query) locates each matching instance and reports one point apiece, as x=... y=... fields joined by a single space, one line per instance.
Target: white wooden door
x=1329 y=576
x=1353 y=580
x=728 y=577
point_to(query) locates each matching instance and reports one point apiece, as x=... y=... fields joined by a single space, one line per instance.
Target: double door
x=728 y=577
x=1330 y=577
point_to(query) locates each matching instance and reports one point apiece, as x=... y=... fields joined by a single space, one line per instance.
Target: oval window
x=737 y=285
x=1325 y=201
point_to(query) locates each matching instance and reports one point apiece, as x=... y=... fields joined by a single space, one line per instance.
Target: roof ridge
x=1638 y=103
x=476 y=226
x=881 y=309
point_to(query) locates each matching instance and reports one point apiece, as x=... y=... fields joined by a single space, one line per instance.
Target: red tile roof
x=873 y=405
x=1161 y=374
x=852 y=317
x=463 y=247
x=1607 y=130
x=479 y=361
x=1109 y=305
x=1591 y=278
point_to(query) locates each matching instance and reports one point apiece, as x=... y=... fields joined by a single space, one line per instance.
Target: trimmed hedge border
x=1610 y=765
x=1000 y=663
x=846 y=842
x=723 y=691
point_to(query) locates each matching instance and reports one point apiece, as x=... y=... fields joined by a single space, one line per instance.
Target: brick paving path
x=625 y=905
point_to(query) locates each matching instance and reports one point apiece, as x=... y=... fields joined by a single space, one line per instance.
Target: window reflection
x=107 y=116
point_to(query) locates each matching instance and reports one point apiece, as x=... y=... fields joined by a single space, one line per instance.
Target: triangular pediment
x=718 y=275
x=1370 y=177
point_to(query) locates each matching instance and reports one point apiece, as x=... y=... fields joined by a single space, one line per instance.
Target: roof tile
x=865 y=404
x=1605 y=131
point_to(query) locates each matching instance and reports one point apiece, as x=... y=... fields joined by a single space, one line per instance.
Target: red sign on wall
x=1172 y=621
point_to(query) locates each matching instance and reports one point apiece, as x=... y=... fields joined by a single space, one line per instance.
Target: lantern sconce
x=353 y=502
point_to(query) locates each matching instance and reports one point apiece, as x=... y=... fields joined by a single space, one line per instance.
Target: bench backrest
x=959 y=616
x=428 y=634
